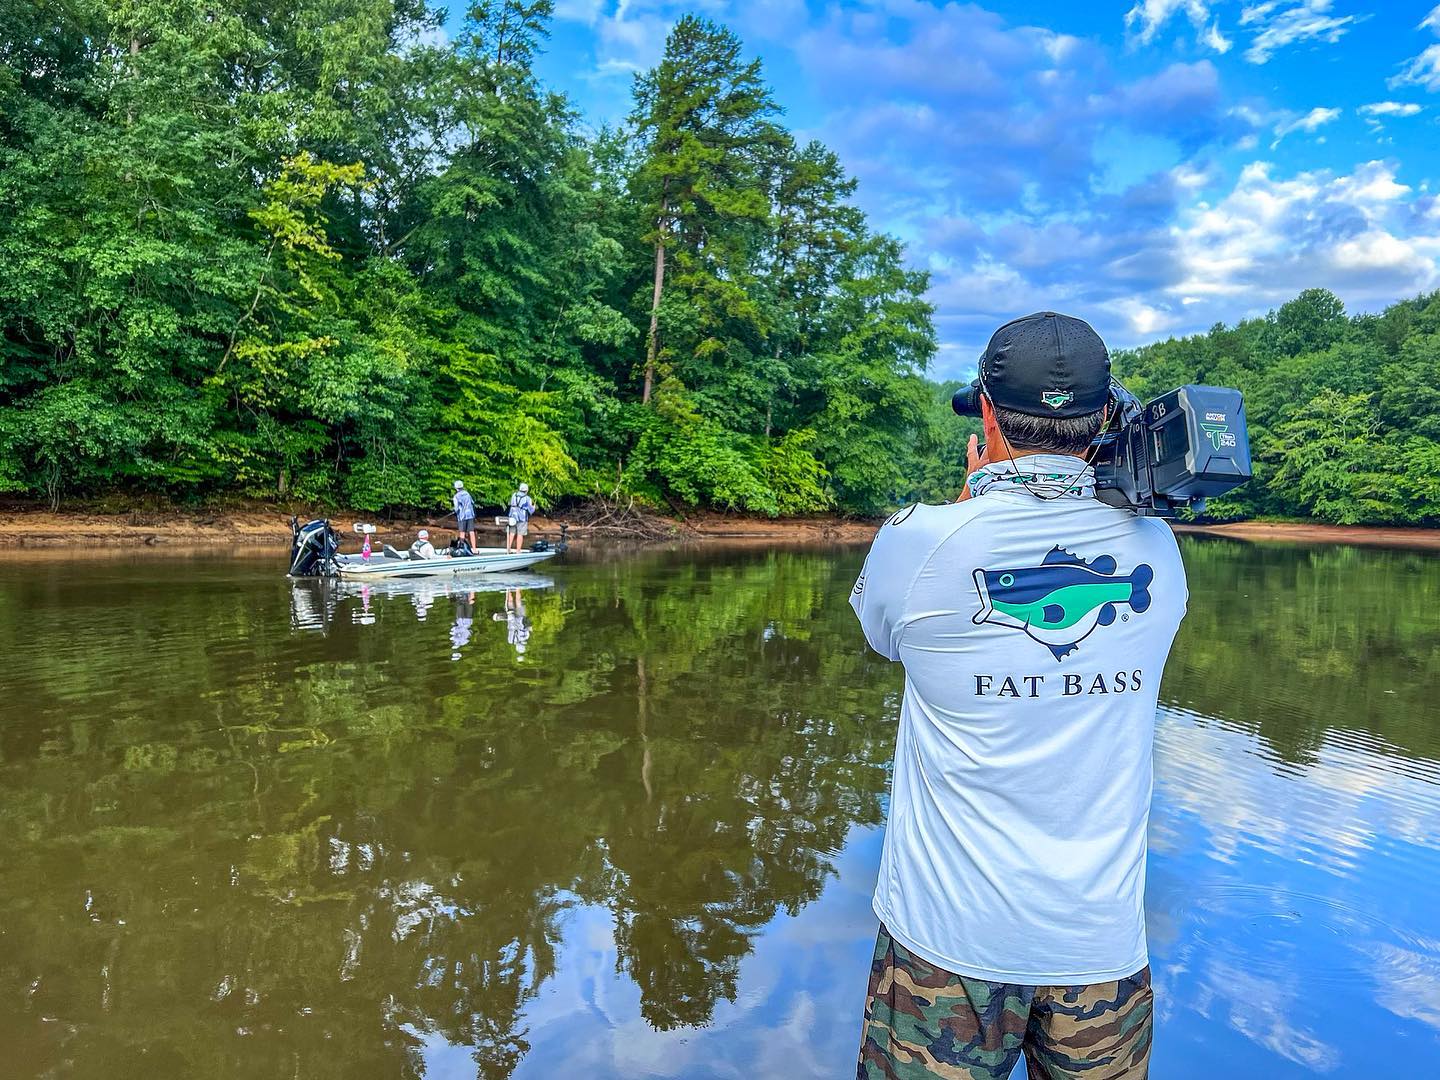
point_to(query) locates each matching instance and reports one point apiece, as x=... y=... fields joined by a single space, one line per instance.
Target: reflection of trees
x=306 y=853
x=1297 y=642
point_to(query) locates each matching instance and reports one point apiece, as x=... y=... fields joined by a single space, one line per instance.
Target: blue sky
x=1153 y=166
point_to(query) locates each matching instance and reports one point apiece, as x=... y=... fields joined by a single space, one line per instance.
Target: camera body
x=1172 y=453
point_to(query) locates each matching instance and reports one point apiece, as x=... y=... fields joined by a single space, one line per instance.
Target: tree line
x=318 y=250
x=1344 y=411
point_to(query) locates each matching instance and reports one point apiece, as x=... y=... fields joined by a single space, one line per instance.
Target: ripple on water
x=1272 y=931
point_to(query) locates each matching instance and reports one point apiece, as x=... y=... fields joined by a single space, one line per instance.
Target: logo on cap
x=1057 y=399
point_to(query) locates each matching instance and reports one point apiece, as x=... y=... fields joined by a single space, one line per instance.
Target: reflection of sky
x=796 y=1014
x=1293 y=927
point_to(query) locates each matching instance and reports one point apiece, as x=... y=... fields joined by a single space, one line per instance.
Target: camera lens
x=966 y=401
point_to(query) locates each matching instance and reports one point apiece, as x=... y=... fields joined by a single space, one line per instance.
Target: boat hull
x=485 y=561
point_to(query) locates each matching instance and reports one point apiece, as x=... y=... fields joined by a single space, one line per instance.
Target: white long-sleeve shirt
x=1033 y=634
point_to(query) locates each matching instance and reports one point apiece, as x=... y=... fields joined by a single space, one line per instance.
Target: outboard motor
x=313 y=548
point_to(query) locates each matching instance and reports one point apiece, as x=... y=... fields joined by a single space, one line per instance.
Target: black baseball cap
x=1044 y=364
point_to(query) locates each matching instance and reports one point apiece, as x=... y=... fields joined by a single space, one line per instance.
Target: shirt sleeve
x=881 y=594
x=1172 y=549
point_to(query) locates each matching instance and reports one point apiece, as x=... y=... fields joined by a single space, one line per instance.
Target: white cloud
x=1143 y=321
x=1423 y=70
x=1187 y=177
x=1146 y=19
x=1250 y=115
x=639 y=39
x=1356 y=234
x=1258 y=13
x=1369 y=186
x=1392 y=108
x=428 y=37
x=629 y=35
x=1212 y=38
x=582 y=11
x=1376 y=250
x=1310 y=122
x=1275 y=24
x=1280 y=26
x=1373 y=112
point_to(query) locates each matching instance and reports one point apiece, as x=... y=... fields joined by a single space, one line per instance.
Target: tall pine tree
x=702 y=119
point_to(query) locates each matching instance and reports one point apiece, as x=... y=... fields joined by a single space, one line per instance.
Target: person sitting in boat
x=422 y=548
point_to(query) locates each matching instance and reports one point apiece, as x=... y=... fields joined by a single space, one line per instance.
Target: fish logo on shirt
x=1059 y=602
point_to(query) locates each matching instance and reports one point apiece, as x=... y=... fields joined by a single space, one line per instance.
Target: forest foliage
x=320 y=252
x=1344 y=411
x=315 y=250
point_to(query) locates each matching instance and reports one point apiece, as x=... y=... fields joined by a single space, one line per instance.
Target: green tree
x=875 y=410
x=701 y=116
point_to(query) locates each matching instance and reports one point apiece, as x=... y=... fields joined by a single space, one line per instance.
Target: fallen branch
x=619 y=517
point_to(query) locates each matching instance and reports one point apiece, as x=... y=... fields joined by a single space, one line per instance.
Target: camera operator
x=1033 y=622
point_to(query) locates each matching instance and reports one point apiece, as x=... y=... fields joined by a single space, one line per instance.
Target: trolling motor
x=559 y=547
x=313 y=548
x=1181 y=449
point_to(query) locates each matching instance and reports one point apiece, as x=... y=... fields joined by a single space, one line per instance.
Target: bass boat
x=315 y=552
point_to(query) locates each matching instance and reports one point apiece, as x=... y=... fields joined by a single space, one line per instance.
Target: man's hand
x=975 y=460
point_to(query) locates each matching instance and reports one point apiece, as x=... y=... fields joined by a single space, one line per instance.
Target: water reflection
x=1291 y=905
x=333 y=848
x=256 y=828
x=517 y=623
x=315 y=602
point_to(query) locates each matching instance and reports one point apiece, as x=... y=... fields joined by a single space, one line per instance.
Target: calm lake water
x=624 y=823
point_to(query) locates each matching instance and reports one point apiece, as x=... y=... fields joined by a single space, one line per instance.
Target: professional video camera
x=1182 y=448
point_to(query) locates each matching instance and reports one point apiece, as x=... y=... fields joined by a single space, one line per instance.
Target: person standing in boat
x=464 y=507
x=1033 y=622
x=517 y=520
x=422 y=548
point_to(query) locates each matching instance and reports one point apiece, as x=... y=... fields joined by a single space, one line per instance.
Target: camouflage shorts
x=921 y=1021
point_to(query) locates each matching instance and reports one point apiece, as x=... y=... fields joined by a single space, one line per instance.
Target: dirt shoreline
x=259 y=527
x=1304 y=532
x=42 y=528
